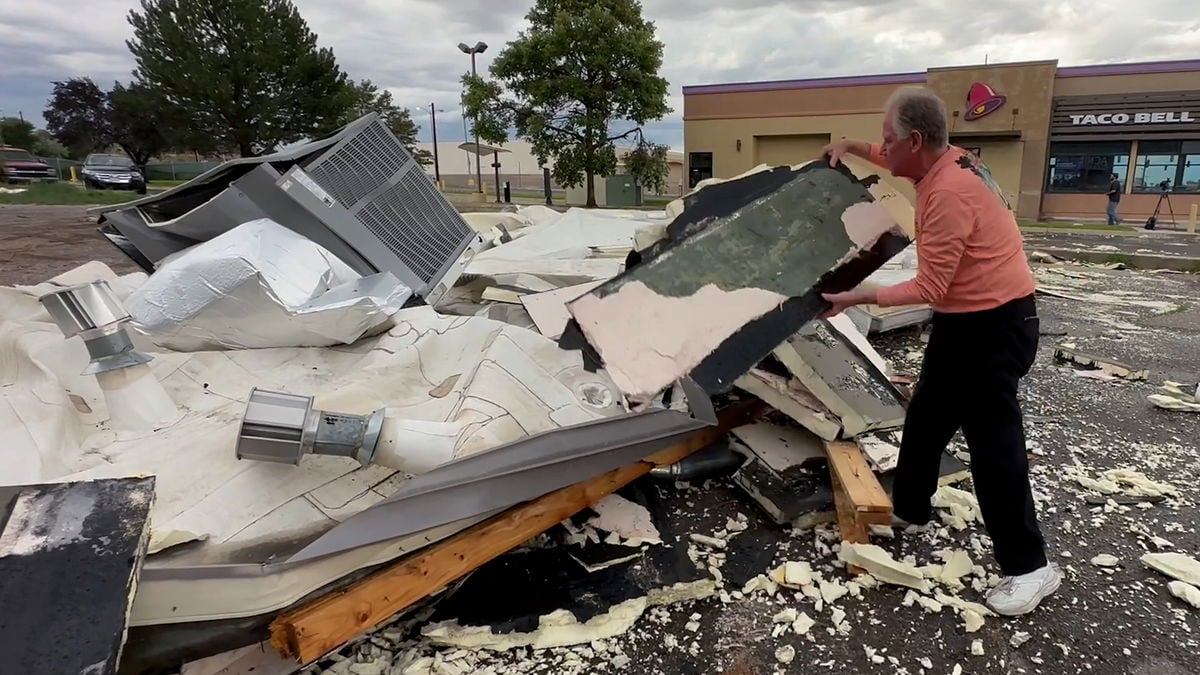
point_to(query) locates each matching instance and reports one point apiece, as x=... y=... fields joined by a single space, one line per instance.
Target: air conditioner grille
x=360 y=166
x=416 y=223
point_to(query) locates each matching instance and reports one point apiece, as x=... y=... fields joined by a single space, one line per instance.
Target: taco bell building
x=1052 y=136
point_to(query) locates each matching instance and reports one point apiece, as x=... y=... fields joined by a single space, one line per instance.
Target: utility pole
x=437 y=173
x=479 y=48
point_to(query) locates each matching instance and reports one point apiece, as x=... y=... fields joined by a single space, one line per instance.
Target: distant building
x=1051 y=136
x=521 y=168
x=518 y=166
x=674 y=182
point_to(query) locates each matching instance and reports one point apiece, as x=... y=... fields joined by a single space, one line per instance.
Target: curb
x=1141 y=261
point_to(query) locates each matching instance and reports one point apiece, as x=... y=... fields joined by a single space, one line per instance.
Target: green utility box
x=622 y=191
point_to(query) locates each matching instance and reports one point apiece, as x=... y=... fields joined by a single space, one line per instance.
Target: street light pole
x=479 y=48
x=437 y=172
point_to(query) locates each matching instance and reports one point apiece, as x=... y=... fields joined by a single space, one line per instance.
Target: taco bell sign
x=1173 y=117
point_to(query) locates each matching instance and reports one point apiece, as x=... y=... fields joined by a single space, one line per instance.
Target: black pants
x=969 y=378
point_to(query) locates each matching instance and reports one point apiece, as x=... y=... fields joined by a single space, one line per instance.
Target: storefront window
x=1086 y=167
x=1174 y=165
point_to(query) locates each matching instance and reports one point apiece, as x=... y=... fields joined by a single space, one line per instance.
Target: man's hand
x=841 y=301
x=843 y=147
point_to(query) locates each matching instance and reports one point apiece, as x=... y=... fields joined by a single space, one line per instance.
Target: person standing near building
x=1114 y=198
x=972 y=270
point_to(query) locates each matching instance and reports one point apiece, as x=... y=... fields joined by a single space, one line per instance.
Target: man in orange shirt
x=971 y=268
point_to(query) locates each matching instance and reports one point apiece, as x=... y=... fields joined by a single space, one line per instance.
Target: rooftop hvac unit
x=358 y=193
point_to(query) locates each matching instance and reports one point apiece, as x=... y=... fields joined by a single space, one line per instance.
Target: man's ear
x=916 y=140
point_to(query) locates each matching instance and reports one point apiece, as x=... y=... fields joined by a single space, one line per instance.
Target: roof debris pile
x=345 y=372
x=387 y=437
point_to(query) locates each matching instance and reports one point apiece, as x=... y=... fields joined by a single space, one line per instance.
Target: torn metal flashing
x=429 y=508
x=712 y=305
x=515 y=472
x=841 y=376
x=789 y=398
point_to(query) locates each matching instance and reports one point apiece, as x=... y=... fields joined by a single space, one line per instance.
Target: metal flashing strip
x=471 y=488
x=516 y=472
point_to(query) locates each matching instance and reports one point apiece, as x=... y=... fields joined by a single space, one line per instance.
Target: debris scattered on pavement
x=1176 y=565
x=1186 y=592
x=1174 y=396
x=1067 y=353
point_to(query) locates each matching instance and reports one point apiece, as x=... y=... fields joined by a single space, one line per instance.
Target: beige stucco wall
x=1029 y=89
x=720 y=136
x=1004 y=159
x=777 y=123
x=1119 y=84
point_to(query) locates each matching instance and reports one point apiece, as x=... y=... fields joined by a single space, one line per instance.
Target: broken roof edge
x=606 y=443
x=293 y=153
x=473 y=484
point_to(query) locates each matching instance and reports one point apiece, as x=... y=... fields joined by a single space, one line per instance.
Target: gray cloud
x=410 y=47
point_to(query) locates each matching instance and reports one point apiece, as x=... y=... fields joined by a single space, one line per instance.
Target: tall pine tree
x=248 y=73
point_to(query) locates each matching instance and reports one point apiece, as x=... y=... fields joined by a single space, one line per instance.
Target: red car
x=18 y=166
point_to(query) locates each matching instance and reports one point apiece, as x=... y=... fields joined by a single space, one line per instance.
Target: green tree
x=364 y=97
x=144 y=123
x=46 y=146
x=248 y=72
x=649 y=164
x=581 y=77
x=77 y=116
x=18 y=133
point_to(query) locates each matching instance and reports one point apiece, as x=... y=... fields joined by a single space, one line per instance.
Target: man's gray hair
x=918 y=109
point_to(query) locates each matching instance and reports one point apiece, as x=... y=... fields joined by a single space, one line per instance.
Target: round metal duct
x=92 y=312
x=281 y=427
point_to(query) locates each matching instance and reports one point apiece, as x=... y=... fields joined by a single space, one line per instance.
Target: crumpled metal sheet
x=261 y=285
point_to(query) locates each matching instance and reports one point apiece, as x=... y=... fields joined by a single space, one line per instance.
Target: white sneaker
x=1021 y=594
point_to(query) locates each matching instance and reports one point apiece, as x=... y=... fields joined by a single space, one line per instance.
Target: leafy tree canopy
x=249 y=73
x=77 y=116
x=46 y=146
x=18 y=133
x=143 y=122
x=583 y=75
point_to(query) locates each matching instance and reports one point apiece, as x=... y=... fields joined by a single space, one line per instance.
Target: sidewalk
x=1140 y=248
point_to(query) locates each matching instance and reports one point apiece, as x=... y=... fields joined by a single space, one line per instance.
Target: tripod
x=1152 y=221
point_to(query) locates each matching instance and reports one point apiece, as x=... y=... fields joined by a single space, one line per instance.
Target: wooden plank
x=310 y=632
x=70 y=555
x=852 y=530
x=847 y=465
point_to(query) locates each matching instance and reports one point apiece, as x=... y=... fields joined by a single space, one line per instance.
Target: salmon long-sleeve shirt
x=970 y=255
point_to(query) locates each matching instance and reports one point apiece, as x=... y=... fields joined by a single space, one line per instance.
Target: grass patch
x=1178 y=309
x=65 y=194
x=1082 y=227
x=166 y=184
x=1119 y=258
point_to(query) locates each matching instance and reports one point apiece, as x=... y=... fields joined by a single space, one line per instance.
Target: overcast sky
x=409 y=46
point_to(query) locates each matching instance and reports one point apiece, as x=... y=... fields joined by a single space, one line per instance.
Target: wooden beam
x=310 y=632
x=847 y=464
x=851 y=529
x=857 y=494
